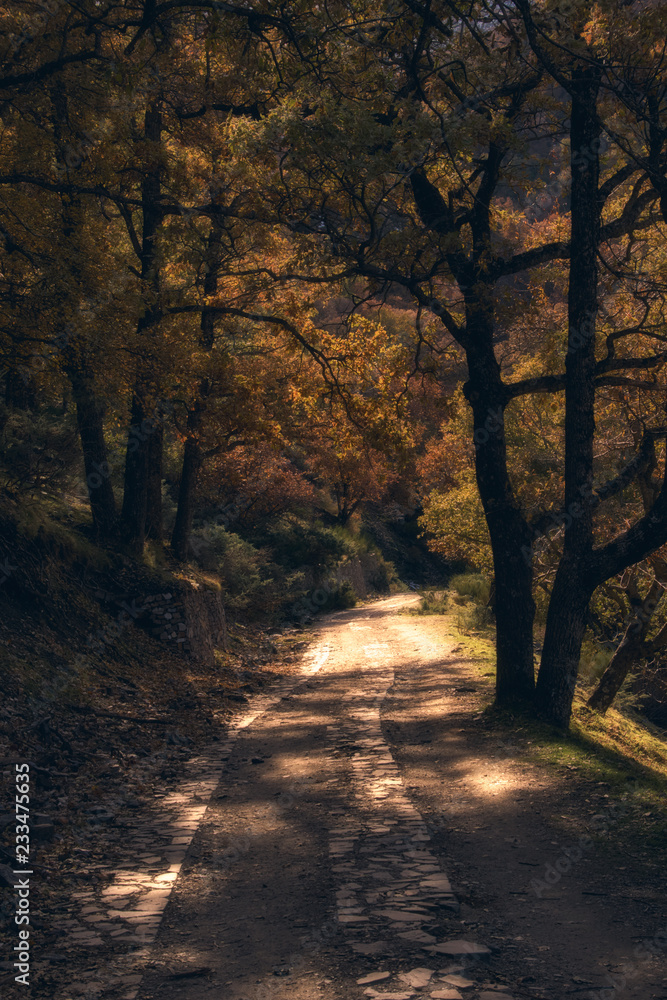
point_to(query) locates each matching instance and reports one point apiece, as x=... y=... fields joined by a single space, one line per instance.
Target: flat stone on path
x=437 y=882
x=403 y=915
x=417 y=978
x=460 y=981
x=373 y=977
x=421 y=937
x=388 y=996
x=449 y=994
x=458 y=947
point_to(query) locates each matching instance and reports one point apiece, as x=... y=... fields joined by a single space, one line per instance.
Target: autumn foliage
x=271 y=259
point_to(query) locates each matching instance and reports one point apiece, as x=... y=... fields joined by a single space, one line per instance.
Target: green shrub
x=296 y=543
x=473 y=618
x=240 y=568
x=243 y=569
x=432 y=603
x=342 y=597
x=593 y=661
x=473 y=585
x=379 y=579
x=481 y=616
x=39 y=452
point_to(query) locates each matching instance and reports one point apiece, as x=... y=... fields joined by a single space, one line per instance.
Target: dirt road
x=365 y=841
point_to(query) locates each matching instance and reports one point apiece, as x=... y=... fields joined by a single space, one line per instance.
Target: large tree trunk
x=510 y=538
x=574 y=583
x=192 y=453
x=566 y=625
x=487 y=395
x=154 y=529
x=89 y=416
x=514 y=608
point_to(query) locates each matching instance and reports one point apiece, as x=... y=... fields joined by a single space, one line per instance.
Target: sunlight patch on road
x=376 y=651
x=320 y=657
x=487 y=785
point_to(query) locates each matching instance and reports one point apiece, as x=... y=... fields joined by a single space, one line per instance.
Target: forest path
x=315 y=874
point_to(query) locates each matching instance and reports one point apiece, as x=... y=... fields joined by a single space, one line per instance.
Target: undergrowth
x=432 y=602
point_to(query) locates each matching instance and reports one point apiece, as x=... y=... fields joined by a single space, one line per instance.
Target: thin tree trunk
x=89 y=416
x=135 y=491
x=619 y=667
x=575 y=583
x=76 y=364
x=135 y=498
x=192 y=453
x=180 y=539
x=154 y=528
x=633 y=648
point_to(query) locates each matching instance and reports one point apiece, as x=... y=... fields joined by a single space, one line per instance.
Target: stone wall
x=190 y=619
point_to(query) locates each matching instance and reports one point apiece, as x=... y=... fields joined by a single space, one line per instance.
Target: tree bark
x=575 y=583
x=487 y=395
x=508 y=530
x=192 y=458
x=633 y=648
x=154 y=528
x=90 y=421
x=619 y=667
x=134 y=513
x=192 y=452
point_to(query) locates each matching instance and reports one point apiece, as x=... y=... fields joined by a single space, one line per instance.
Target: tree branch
x=46 y=69
x=643 y=538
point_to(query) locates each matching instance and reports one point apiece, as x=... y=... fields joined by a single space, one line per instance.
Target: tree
x=222 y=166
x=135 y=128
x=578 y=66
x=354 y=430
x=437 y=131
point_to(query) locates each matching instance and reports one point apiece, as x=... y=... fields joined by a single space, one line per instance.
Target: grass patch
x=432 y=602
x=620 y=749
x=482 y=650
x=631 y=745
x=473 y=618
x=63 y=542
x=470 y=594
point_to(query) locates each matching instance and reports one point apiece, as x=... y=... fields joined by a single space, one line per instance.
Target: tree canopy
x=403 y=248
